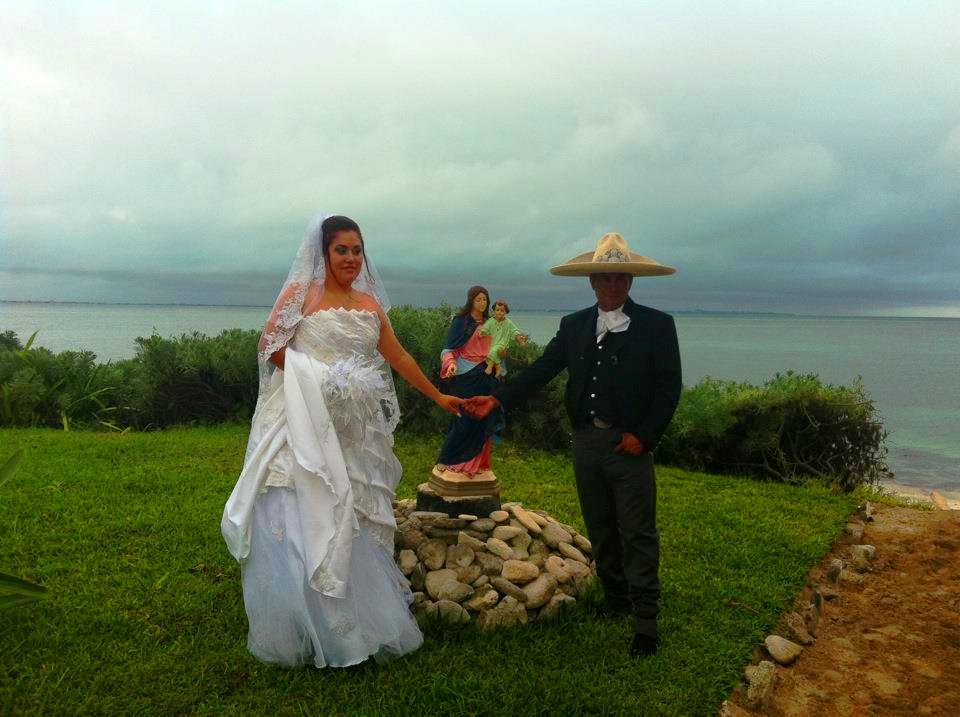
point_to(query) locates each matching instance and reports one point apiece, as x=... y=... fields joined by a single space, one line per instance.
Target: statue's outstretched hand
x=480 y=406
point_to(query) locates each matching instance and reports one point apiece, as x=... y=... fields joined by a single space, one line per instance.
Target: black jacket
x=647 y=380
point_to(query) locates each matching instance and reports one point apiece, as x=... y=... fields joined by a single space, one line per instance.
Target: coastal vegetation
x=144 y=614
x=790 y=428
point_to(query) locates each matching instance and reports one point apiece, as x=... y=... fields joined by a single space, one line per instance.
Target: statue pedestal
x=458 y=494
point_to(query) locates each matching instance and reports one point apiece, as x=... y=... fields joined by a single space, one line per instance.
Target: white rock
x=527 y=520
x=506 y=587
x=427 y=515
x=455 y=591
x=433 y=553
x=451 y=612
x=407 y=561
x=507 y=532
x=761 y=679
x=470 y=542
x=557 y=568
x=568 y=551
x=459 y=555
x=782 y=650
x=519 y=571
x=582 y=543
x=540 y=591
x=437 y=578
x=483 y=600
x=469 y=573
x=490 y=564
x=577 y=569
x=797 y=629
x=483 y=525
x=554 y=535
x=498 y=548
x=508 y=613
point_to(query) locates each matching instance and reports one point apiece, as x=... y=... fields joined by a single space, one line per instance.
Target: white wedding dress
x=311 y=517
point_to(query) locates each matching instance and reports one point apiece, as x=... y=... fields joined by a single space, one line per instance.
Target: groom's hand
x=630 y=445
x=480 y=406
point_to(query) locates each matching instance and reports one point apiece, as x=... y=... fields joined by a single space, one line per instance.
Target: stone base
x=480 y=505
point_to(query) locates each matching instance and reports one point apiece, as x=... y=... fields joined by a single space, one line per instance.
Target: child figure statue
x=503 y=331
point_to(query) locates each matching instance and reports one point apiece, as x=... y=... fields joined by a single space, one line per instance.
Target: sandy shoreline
x=922 y=494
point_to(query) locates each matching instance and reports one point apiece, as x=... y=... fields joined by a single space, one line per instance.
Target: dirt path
x=891 y=645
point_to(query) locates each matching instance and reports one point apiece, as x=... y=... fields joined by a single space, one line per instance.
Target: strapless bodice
x=334 y=335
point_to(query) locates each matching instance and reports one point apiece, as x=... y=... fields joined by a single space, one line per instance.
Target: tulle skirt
x=292 y=624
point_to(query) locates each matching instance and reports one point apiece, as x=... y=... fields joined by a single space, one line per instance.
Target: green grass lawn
x=144 y=613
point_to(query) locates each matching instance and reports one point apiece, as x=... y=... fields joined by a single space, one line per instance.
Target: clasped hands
x=480 y=407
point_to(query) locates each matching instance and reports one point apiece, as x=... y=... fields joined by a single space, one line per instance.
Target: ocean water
x=911 y=367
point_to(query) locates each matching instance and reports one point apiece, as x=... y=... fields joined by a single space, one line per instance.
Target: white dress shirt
x=611 y=321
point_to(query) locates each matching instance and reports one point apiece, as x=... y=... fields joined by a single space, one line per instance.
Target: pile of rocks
x=500 y=570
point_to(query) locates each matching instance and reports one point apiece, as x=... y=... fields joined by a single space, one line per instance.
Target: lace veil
x=309 y=268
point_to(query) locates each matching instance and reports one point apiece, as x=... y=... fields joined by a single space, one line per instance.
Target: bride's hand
x=450 y=404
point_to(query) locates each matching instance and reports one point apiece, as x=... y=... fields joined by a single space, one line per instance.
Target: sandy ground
x=890 y=646
x=923 y=495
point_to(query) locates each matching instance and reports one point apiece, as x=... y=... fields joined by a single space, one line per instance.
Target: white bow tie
x=613 y=321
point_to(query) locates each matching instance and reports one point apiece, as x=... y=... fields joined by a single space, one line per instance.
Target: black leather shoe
x=644 y=645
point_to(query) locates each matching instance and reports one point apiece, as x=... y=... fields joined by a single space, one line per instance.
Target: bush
x=421 y=332
x=40 y=388
x=9 y=341
x=196 y=378
x=791 y=427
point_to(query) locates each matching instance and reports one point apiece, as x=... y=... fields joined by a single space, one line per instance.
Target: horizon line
x=742 y=312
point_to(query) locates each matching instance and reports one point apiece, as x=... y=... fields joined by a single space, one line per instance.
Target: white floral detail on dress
x=342 y=625
x=324 y=581
x=613 y=256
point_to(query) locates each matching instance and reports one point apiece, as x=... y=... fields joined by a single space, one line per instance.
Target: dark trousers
x=618 y=498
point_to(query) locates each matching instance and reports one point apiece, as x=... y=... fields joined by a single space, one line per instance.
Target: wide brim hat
x=612 y=256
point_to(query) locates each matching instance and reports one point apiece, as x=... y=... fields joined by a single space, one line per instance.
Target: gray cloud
x=803 y=159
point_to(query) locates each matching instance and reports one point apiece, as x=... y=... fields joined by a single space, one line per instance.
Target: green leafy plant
x=14 y=590
x=790 y=428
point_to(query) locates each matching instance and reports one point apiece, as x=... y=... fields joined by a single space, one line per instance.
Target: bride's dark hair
x=332 y=226
x=471 y=295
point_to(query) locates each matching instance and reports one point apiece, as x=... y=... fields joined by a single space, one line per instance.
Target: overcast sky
x=800 y=157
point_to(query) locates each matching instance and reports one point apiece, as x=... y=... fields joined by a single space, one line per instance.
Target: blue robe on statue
x=467 y=437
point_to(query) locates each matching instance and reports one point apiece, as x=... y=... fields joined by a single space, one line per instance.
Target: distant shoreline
x=677 y=312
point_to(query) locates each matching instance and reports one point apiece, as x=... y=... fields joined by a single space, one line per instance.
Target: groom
x=622 y=389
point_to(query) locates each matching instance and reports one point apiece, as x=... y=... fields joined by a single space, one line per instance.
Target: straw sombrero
x=612 y=256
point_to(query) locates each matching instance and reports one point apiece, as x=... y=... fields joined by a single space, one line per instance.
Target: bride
x=311 y=516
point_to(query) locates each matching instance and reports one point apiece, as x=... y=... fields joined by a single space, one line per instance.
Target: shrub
x=421 y=332
x=9 y=341
x=791 y=427
x=195 y=378
x=40 y=388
